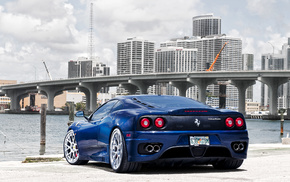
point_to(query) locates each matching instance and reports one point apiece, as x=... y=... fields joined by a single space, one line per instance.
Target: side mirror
x=80 y=114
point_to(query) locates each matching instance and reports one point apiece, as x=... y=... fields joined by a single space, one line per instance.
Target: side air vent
x=144 y=104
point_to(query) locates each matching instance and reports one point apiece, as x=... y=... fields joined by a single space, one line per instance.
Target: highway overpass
x=182 y=81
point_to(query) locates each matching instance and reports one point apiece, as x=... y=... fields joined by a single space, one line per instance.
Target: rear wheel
x=70 y=149
x=118 y=154
x=228 y=164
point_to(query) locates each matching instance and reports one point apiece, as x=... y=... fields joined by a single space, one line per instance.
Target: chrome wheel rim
x=116 y=149
x=71 y=151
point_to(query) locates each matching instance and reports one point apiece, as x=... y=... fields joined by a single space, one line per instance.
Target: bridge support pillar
x=201 y=83
x=142 y=85
x=50 y=93
x=182 y=86
x=273 y=83
x=87 y=93
x=93 y=88
x=242 y=86
x=15 y=97
x=132 y=89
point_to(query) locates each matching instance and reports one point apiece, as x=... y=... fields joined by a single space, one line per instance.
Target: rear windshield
x=171 y=102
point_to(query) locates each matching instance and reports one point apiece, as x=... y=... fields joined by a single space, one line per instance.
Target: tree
x=80 y=106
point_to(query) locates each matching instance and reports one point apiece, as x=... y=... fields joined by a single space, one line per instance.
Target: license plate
x=199 y=140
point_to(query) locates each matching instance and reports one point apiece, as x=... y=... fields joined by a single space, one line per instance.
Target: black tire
x=71 y=151
x=228 y=164
x=118 y=154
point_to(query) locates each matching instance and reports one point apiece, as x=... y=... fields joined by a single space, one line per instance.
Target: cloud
x=32 y=31
x=27 y=28
x=262 y=7
x=46 y=10
x=57 y=30
x=145 y=18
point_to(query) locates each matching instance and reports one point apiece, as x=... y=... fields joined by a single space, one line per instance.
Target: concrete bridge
x=182 y=81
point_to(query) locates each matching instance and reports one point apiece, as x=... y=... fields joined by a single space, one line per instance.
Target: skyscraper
x=174 y=59
x=85 y=67
x=135 y=56
x=205 y=25
x=208 y=47
x=73 y=69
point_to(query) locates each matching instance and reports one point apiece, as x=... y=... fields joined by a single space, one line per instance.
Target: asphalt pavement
x=265 y=162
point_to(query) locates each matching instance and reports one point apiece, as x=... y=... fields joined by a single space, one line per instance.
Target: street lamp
x=272 y=46
x=34 y=73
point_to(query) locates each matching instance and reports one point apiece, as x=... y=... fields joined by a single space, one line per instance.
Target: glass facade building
x=205 y=25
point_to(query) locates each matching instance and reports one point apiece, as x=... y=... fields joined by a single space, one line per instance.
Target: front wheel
x=70 y=149
x=118 y=154
x=228 y=164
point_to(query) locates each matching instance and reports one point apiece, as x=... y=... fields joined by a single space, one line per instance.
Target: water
x=23 y=134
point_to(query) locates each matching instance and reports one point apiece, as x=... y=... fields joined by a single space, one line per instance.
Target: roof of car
x=162 y=101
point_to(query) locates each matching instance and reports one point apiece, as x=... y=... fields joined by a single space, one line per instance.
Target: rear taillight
x=230 y=122
x=159 y=122
x=145 y=122
x=239 y=122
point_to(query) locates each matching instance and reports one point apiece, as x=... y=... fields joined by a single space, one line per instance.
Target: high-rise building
x=205 y=25
x=85 y=67
x=248 y=64
x=248 y=61
x=208 y=47
x=135 y=56
x=73 y=69
x=174 y=59
x=279 y=61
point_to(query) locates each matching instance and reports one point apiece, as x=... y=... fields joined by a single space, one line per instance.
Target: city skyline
x=30 y=32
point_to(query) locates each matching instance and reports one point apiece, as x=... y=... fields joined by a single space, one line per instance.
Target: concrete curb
x=43 y=158
x=268 y=146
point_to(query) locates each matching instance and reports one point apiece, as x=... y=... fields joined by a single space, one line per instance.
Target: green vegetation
x=80 y=106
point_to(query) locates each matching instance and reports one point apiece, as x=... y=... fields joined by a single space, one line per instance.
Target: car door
x=92 y=129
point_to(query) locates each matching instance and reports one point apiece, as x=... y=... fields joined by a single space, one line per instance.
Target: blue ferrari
x=129 y=131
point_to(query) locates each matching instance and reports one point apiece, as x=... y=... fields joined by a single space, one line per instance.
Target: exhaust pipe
x=241 y=146
x=156 y=148
x=236 y=147
x=149 y=148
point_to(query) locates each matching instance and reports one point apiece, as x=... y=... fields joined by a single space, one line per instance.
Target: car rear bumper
x=176 y=145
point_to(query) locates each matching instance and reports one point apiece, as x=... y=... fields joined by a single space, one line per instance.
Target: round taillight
x=239 y=122
x=159 y=122
x=145 y=122
x=230 y=122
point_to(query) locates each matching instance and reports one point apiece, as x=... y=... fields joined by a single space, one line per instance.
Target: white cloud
x=45 y=9
x=234 y=33
x=261 y=7
x=1 y=50
x=57 y=30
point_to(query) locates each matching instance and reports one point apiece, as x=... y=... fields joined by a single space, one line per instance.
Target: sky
x=56 y=31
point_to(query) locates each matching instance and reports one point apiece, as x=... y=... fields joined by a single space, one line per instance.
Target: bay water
x=20 y=134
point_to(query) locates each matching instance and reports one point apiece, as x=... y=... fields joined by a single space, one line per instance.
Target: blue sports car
x=129 y=131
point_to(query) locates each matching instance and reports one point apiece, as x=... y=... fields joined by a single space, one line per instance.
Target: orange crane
x=217 y=56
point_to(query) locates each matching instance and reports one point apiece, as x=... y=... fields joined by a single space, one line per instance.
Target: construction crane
x=217 y=56
x=47 y=70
